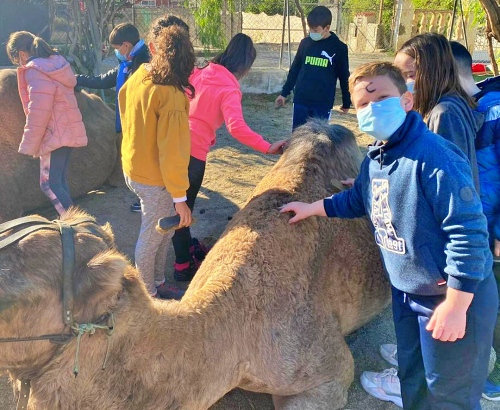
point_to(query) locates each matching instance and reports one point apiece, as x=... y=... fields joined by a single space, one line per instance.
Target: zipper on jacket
x=381 y=160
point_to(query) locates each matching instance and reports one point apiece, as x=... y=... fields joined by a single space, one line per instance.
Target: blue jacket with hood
x=488 y=153
x=425 y=212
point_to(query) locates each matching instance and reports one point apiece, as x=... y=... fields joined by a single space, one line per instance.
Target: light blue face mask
x=410 y=85
x=315 y=36
x=381 y=119
x=120 y=56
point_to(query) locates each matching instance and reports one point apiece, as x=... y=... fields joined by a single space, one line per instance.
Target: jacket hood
x=55 y=67
x=488 y=100
x=473 y=117
x=216 y=74
x=488 y=85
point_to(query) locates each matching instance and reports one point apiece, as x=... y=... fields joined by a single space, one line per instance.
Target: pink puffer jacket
x=53 y=120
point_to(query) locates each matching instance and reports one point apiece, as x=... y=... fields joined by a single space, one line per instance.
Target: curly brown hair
x=173 y=58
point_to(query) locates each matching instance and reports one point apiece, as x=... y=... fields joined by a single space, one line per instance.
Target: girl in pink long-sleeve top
x=53 y=121
x=217 y=100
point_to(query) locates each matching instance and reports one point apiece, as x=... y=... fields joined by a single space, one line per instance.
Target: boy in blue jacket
x=487 y=95
x=428 y=222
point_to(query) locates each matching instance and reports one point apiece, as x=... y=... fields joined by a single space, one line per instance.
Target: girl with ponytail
x=53 y=121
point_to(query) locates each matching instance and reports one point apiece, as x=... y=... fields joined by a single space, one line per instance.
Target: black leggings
x=182 y=238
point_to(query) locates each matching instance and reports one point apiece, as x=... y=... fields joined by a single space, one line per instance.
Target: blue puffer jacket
x=488 y=153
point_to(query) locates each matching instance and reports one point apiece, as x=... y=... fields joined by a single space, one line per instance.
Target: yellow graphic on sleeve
x=381 y=216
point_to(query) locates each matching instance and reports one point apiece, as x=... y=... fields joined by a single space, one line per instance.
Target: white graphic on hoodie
x=381 y=216
x=325 y=54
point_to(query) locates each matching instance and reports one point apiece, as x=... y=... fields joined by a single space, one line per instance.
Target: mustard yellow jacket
x=156 y=140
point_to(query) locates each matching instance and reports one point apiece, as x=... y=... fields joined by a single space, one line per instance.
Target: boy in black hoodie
x=320 y=60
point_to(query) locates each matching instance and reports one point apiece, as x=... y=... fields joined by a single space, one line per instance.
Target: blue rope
x=90 y=328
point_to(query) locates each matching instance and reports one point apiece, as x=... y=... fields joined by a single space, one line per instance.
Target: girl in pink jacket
x=217 y=100
x=53 y=121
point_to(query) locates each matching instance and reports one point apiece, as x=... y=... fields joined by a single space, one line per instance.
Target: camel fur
x=90 y=166
x=267 y=311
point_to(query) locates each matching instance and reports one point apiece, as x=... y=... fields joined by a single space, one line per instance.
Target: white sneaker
x=384 y=386
x=390 y=353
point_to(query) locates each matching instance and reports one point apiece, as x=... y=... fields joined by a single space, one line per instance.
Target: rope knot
x=90 y=328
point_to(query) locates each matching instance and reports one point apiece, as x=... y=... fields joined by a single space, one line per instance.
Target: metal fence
x=276 y=26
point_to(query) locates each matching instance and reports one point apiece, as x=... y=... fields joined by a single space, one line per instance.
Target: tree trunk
x=302 y=17
x=491 y=52
x=492 y=10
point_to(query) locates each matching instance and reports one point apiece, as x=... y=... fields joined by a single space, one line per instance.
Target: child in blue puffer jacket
x=487 y=95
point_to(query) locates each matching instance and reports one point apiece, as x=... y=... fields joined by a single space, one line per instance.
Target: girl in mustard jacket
x=53 y=121
x=154 y=110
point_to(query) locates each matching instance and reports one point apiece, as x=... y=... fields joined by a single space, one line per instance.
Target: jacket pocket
x=432 y=270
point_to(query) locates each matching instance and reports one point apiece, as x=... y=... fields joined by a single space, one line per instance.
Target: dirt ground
x=233 y=170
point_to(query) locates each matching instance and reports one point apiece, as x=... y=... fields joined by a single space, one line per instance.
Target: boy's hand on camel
x=185 y=213
x=280 y=102
x=349 y=182
x=303 y=210
x=448 y=321
x=277 y=147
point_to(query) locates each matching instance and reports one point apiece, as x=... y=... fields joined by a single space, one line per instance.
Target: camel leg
x=327 y=396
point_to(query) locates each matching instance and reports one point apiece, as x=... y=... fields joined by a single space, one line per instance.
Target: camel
x=90 y=166
x=267 y=311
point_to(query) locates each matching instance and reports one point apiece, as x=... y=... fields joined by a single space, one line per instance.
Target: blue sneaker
x=491 y=391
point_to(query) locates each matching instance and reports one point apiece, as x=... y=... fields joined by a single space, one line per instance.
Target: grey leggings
x=151 y=248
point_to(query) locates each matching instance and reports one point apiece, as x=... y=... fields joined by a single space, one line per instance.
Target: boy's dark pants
x=301 y=113
x=443 y=375
x=496 y=335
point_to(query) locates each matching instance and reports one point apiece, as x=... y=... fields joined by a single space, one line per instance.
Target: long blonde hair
x=25 y=41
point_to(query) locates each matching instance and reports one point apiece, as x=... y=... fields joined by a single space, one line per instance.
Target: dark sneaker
x=135 y=207
x=198 y=251
x=184 y=272
x=491 y=391
x=165 y=291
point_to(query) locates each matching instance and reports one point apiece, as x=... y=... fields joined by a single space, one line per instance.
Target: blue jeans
x=443 y=375
x=301 y=113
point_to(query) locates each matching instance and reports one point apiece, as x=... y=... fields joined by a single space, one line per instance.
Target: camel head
x=317 y=158
x=31 y=281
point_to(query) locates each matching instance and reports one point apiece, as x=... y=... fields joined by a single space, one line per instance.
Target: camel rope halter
x=26 y=226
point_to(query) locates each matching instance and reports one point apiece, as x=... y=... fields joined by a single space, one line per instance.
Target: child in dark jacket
x=487 y=95
x=321 y=59
x=131 y=51
x=428 y=222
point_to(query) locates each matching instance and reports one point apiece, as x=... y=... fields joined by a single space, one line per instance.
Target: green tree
x=208 y=18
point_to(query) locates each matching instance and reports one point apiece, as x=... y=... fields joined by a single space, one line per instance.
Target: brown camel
x=267 y=311
x=89 y=168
